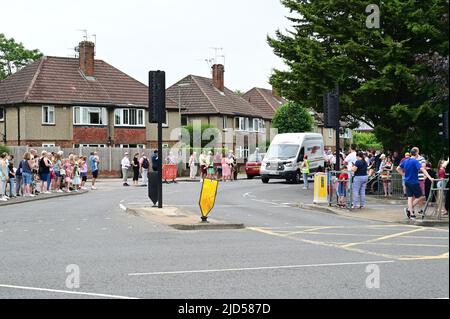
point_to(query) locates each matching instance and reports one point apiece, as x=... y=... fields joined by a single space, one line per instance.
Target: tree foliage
x=13 y=56
x=208 y=133
x=366 y=141
x=377 y=69
x=3 y=149
x=292 y=118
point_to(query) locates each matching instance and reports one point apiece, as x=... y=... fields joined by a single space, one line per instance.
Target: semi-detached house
x=71 y=102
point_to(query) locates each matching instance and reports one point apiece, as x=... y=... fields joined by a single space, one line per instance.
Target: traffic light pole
x=160 y=193
x=338 y=128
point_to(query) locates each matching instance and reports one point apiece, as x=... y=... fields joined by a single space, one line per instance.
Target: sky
x=137 y=36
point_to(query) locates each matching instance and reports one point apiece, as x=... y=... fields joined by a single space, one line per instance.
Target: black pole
x=160 y=195
x=338 y=127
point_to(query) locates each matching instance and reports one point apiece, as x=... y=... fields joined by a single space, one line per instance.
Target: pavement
x=284 y=251
x=24 y=200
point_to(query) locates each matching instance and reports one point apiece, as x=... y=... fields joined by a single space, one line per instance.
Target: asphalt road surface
x=285 y=252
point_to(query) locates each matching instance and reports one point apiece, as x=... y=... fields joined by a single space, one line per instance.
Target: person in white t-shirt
x=351 y=159
x=125 y=163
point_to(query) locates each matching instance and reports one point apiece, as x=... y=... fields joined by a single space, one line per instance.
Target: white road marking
x=66 y=292
x=122 y=207
x=52 y=229
x=259 y=268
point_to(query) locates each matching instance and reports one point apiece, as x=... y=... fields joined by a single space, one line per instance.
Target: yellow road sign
x=208 y=196
x=320 y=188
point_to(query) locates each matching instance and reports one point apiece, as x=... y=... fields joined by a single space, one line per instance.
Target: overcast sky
x=141 y=35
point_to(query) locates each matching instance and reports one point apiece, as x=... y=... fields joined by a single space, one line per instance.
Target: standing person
x=145 y=165
x=218 y=164
x=202 y=162
x=210 y=165
x=76 y=182
x=232 y=162
x=359 y=169
x=305 y=171
x=27 y=174
x=94 y=163
x=83 y=171
x=12 y=177
x=19 y=180
x=386 y=168
x=410 y=169
x=407 y=155
x=44 y=172
x=423 y=163
x=193 y=165
x=351 y=158
x=342 y=186
x=3 y=177
x=226 y=169
x=125 y=165
x=155 y=159
x=57 y=166
x=136 y=169
x=68 y=171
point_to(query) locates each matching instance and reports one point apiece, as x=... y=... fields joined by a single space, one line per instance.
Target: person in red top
x=342 y=186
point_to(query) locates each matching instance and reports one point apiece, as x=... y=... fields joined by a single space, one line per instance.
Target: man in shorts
x=410 y=168
x=93 y=162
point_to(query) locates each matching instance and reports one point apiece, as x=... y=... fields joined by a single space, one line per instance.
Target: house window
x=261 y=126
x=129 y=117
x=89 y=145
x=225 y=122
x=330 y=133
x=2 y=114
x=48 y=145
x=241 y=123
x=48 y=115
x=242 y=152
x=184 y=120
x=142 y=146
x=90 y=116
x=166 y=123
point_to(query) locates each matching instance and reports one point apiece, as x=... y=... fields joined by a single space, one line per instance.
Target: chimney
x=218 y=76
x=87 y=52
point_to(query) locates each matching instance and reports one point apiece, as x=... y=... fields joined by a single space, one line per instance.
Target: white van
x=286 y=153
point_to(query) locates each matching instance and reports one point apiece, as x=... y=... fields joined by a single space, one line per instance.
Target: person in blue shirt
x=410 y=169
x=155 y=161
x=93 y=162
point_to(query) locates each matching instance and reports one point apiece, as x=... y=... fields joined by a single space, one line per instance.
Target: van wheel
x=297 y=178
x=250 y=176
x=265 y=180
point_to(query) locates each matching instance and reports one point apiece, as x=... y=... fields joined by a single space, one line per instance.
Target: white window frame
x=225 y=123
x=243 y=123
x=330 y=133
x=48 y=110
x=119 y=115
x=166 y=124
x=141 y=146
x=83 y=115
x=2 y=114
x=90 y=145
x=48 y=145
x=242 y=152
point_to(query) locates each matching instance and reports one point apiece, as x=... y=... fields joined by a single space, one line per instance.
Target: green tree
x=13 y=56
x=292 y=118
x=208 y=134
x=4 y=149
x=377 y=69
x=366 y=141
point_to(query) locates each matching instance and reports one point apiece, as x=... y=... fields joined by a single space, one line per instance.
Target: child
x=68 y=175
x=83 y=171
x=76 y=177
x=342 y=186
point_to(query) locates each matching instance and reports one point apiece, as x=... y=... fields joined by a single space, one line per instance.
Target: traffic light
x=157 y=96
x=330 y=110
x=444 y=125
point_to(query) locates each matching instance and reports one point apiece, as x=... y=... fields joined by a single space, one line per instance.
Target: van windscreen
x=282 y=151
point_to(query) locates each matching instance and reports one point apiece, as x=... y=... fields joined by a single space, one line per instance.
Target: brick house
x=209 y=101
x=268 y=101
x=70 y=102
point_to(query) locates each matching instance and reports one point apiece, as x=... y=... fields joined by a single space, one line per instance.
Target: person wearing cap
x=305 y=171
x=125 y=164
x=410 y=168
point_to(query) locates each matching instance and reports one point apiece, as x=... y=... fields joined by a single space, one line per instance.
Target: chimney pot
x=218 y=76
x=86 y=57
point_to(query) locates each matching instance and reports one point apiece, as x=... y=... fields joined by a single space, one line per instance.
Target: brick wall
x=90 y=135
x=129 y=136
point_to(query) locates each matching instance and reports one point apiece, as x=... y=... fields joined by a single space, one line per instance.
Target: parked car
x=286 y=153
x=253 y=165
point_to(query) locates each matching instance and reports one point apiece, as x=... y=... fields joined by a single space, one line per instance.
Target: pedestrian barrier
x=435 y=205
x=320 y=188
x=339 y=190
x=169 y=172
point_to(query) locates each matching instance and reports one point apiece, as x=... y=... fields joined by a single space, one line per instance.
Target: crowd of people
x=45 y=173
x=417 y=174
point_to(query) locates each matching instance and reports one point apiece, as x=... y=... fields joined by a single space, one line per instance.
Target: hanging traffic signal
x=330 y=110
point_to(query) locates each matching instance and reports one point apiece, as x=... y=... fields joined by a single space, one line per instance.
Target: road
x=284 y=252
